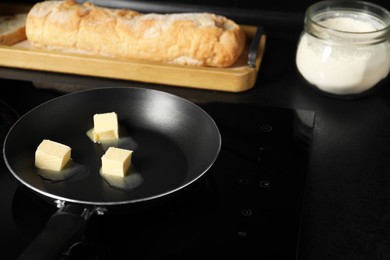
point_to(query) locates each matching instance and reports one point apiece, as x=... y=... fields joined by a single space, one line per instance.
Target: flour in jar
x=347 y=24
x=342 y=66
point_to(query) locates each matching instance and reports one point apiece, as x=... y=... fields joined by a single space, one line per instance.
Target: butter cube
x=105 y=126
x=116 y=161
x=51 y=155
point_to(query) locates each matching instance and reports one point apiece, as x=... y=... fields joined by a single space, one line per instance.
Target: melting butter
x=129 y=182
x=71 y=170
x=123 y=141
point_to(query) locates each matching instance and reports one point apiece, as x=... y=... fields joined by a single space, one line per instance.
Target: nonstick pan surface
x=174 y=141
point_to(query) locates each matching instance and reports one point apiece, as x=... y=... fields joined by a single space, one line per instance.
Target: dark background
x=277 y=16
x=270 y=5
x=346 y=212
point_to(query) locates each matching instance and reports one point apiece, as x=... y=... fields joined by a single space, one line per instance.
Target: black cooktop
x=247 y=205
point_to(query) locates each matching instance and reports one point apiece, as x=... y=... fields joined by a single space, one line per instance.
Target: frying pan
x=174 y=141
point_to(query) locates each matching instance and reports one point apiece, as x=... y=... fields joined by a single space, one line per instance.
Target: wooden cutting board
x=237 y=78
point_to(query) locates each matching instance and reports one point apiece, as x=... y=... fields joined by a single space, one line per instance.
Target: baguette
x=198 y=39
x=12 y=29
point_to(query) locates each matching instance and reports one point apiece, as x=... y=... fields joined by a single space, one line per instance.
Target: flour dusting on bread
x=199 y=39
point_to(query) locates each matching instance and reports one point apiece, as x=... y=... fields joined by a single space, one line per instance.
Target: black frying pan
x=174 y=141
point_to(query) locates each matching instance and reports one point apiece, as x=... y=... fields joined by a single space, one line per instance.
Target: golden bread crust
x=200 y=39
x=12 y=29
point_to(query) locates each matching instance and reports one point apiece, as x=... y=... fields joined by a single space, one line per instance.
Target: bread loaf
x=12 y=29
x=199 y=39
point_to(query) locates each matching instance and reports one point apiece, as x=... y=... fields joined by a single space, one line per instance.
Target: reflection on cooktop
x=248 y=204
x=8 y=117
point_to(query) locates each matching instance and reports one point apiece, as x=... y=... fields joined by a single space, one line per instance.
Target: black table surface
x=346 y=212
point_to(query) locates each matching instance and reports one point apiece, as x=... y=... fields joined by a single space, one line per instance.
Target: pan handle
x=65 y=227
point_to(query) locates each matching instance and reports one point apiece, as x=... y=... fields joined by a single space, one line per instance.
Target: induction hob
x=248 y=205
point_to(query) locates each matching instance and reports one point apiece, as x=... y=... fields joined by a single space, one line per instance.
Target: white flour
x=343 y=69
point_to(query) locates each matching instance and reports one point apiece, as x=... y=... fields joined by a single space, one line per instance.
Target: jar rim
x=367 y=8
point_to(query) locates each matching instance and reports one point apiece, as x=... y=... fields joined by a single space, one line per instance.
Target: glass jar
x=344 y=48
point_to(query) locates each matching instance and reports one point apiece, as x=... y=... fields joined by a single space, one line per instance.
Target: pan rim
x=120 y=202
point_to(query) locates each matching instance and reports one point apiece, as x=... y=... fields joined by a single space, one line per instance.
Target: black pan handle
x=65 y=227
